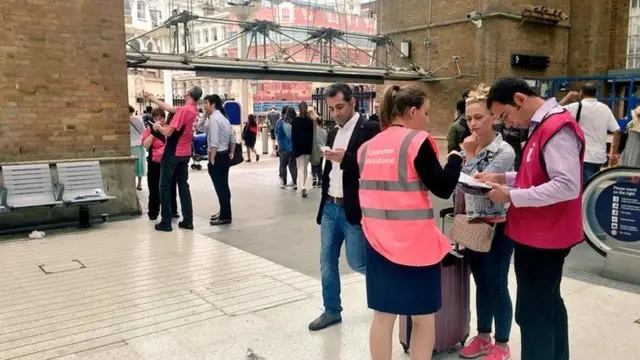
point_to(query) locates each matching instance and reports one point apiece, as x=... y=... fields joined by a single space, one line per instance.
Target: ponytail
x=397 y=100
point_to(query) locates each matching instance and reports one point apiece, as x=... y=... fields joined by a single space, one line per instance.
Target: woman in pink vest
x=404 y=245
x=485 y=150
x=545 y=213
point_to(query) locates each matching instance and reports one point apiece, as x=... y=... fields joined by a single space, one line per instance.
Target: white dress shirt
x=341 y=142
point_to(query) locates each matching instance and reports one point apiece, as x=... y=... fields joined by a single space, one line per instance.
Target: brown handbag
x=474 y=235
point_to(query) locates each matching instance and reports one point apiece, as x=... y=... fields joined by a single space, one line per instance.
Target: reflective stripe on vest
x=402 y=184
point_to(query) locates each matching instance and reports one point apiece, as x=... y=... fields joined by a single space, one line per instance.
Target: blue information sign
x=618 y=211
x=232 y=108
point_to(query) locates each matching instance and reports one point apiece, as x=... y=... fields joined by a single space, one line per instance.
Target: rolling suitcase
x=452 y=321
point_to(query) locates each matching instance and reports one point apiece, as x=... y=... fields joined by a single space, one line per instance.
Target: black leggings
x=153 y=182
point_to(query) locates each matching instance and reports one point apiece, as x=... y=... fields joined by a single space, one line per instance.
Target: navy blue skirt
x=403 y=290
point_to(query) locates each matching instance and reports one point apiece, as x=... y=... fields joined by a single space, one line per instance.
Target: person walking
x=249 y=135
x=154 y=142
x=321 y=141
x=221 y=143
x=399 y=169
x=486 y=151
x=285 y=149
x=302 y=136
x=339 y=213
x=176 y=157
x=136 y=128
x=596 y=121
x=545 y=213
x=631 y=153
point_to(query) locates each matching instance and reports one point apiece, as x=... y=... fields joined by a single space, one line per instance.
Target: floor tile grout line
x=99 y=327
x=177 y=281
x=116 y=334
x=183 y=293
x=171 y=275
x=143 y=272
x=218 y=248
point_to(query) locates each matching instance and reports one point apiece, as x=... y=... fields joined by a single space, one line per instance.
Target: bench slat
x=28 y=185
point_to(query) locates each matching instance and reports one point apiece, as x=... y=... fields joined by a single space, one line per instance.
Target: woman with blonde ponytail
x=399 y=170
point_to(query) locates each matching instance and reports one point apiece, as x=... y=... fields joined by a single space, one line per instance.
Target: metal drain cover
x=61 y=266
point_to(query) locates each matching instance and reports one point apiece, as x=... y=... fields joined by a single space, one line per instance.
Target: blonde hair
x=634 y=124
x=478 y=94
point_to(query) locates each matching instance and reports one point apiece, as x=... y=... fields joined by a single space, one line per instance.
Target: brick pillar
x=63 y=85
x=63 y=96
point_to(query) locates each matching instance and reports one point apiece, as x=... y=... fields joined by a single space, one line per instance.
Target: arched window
x=136 y=45
x=285 y=15
x=214 y=32
x=150 y=46
x=142 y=10
x=127 y=8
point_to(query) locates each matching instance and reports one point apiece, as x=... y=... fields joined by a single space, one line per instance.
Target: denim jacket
x=497 y=157
x=283 y=135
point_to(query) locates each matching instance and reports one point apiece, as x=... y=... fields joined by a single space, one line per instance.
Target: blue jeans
x=589 y=171
x=334 y=230
x=491 y=273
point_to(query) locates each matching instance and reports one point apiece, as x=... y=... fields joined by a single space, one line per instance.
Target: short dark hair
x=503 y=90
x=217 y=101
x=131 y=109
x=465 y=94
x=149 y=109
x=590 y=89
x=195 y=93
x=157 y=112
x=461 y=106
x=333 y=90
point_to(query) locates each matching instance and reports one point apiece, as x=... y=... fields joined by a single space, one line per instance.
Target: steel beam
x=267 y=70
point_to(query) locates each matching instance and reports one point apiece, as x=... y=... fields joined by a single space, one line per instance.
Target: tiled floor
x=123 y=291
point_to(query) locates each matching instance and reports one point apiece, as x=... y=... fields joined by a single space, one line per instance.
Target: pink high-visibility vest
x=397 y=216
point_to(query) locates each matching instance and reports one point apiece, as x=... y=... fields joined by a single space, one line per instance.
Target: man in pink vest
x=545 y=216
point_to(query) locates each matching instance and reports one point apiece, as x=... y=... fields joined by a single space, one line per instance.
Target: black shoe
x=153 y=217
x=304 y=193
x=257 y=157
x=185 y=225
x=176 y=215
x=324 y=321
x=163 y=226
x=214 y=217
x=220 y=222
x=315 y=183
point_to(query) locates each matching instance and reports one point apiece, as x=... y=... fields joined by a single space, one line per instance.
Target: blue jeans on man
x=334 y=231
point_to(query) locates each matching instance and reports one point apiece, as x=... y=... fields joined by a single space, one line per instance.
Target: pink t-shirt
x=157 y=146
x=183 y=120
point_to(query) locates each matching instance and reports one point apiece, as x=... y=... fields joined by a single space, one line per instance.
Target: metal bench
x=82 y=183
x=27 y=186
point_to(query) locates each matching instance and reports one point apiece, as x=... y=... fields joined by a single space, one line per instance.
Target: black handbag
x=237 y=155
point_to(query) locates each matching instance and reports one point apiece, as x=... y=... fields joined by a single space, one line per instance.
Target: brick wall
x=63 y=90
x=485 y=52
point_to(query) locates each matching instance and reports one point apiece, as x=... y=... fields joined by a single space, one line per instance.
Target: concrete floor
x=123 y=291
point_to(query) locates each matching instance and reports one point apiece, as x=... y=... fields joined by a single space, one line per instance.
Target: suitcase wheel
x=464 y=340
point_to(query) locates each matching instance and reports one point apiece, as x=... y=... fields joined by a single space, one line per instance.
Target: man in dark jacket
x=339 y=214
x=459 y=130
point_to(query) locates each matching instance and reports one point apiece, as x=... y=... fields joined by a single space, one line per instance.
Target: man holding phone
x=340 y=214
x=176 y=157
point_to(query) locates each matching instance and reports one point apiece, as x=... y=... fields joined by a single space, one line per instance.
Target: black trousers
x=219 y=173
x=153 y=182
x=540 y=310
x=179 y=167
x=316 y=171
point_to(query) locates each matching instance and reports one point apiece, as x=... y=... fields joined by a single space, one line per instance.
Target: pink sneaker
x=478 y=346
x=498 y=353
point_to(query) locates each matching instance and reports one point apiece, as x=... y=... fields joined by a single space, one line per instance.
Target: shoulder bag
x=475 y=234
